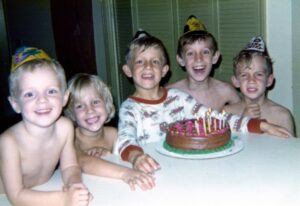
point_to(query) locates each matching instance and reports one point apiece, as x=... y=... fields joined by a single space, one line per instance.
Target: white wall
x=279 y=43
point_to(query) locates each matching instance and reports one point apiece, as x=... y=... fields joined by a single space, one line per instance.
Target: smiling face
x=39 y=97
x=198 y=59
x=89 y=110
x=147 y=67
x=252 y=78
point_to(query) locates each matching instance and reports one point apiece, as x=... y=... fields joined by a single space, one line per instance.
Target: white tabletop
x=265 y=172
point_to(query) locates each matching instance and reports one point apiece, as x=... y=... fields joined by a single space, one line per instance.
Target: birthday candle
x=215 y=124
x=204 y=125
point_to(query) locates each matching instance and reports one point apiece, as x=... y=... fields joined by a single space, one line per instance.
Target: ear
x=270 y=80
x=180 y=61
x=165 y=70
x=235 y=82
x=14 y=104
x=216 y=57
x=66 y=97
x=127 y=71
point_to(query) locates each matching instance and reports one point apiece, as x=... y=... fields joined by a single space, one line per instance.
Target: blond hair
x=32 y=65
x=82 y=80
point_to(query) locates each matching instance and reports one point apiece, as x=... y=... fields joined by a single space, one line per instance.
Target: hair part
x=245 y=57
x=193 y=36
x=81 y=81
x=32 y=65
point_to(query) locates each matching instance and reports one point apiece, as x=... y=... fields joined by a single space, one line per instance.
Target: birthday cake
x=199 y=134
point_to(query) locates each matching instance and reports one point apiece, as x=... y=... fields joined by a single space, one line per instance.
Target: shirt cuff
x=254 y=125
x=125 y=153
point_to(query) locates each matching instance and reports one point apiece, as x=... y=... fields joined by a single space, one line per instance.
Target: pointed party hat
x=256 y=44
x=26 y=54
x=193 y=24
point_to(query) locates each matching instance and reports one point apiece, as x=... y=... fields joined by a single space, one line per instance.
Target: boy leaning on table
x=143 y=116
x=31 y=149
x=253 y=75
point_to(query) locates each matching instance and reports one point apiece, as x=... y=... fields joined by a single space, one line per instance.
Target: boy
x=90 y=106
x=197 y=52
x=253 y=74
x=31 y=149
x=143 y=116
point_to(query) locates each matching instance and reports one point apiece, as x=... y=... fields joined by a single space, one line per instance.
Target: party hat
x=140 y=34
x=193 y=24
x=26 y=54
x=256 y=44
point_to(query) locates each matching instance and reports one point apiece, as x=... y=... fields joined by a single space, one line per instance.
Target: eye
x=138 y=62
x=52 y=91
x=189 y=53
x=156 y=62
x=260 y=74
x=206 y=51
x=96 y=102
x=28 y=95
x=79 y=107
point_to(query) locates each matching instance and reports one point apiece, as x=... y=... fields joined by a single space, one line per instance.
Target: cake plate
x=236 y=146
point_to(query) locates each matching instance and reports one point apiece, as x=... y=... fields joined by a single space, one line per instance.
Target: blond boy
x=253 y=75
x=31 y=149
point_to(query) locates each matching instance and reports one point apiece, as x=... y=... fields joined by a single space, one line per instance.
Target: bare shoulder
x=64 y=123
x=278 y=109
x=235 y=108
x=223 y=86
x=177 y=85
x=11 y=133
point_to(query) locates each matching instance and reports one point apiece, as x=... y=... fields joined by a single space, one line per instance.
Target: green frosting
x=206 y=151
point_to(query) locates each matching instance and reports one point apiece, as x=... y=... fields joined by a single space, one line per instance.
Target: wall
x=280 y=45
x=296 y=60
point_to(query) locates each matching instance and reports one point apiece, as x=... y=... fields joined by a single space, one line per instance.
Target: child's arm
x=70 y=169
x=95 y=166
x=127 y=145
x=12 y=178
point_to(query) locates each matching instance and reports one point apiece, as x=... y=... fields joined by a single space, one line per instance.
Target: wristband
x=254 y=125
x=127 y=150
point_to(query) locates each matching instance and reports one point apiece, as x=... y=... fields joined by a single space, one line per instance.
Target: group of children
x=31 y=149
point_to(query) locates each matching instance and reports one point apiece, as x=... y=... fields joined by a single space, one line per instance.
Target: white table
x=265 y=172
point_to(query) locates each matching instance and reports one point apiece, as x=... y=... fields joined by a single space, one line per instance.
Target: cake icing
x=198 y=135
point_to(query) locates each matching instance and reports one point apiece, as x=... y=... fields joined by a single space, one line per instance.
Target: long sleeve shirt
x=143 y=121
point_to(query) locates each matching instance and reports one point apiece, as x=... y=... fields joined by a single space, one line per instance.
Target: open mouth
x=92 y=120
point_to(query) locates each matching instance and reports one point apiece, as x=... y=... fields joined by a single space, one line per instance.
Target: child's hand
x=77 y=195
x=143 y=180
x=145 y=163
x=252 y=110
x=97 y=152
x=275 y=130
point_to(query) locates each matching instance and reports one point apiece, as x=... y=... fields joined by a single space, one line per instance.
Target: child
x=143 y=117
x=253 y=74
x=31 y=149
x=197 y=52
x=90 y=106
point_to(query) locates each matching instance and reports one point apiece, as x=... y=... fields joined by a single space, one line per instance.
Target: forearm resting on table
x=71 y=175
x=28 y=197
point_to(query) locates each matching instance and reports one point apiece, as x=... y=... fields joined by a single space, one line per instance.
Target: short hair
x=32 y=65
x=193 y=36
x=246 y=56
x=144 y=43
x=82 y=80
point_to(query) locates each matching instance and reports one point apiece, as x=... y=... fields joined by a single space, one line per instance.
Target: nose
x=198 y=57
x=90 y=109
x=148 y=65
x=42 y=99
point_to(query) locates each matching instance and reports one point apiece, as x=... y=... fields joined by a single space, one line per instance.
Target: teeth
x=92 y=120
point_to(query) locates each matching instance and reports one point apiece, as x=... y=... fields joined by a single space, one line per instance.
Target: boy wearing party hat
x=31 y=149
x=197 y=53
x=145 y=115
x=253 y=75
